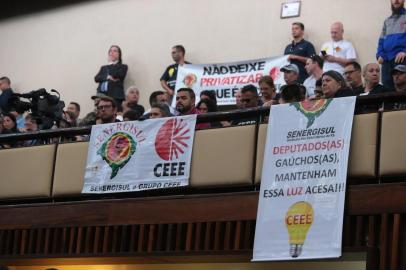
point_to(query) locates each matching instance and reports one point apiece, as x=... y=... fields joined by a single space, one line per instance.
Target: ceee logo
x=170 y=144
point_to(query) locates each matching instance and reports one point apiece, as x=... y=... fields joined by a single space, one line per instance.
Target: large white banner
x=140 y=155
x=226 y=78
x=301 y=203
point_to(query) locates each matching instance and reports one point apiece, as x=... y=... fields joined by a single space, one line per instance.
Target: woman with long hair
x=111 y=76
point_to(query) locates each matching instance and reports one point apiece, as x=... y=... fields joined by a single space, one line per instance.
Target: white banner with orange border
x=301 y=201
x=140 y=155
x=226 y=78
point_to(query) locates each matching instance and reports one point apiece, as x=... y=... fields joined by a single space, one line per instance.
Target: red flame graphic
x=170 y=140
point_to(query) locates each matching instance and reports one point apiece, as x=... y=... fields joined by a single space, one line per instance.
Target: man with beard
x=185 y=105
x=299 y=50
x=185 y=102
x=392 y=42
x=168 y=79
x=107 y=109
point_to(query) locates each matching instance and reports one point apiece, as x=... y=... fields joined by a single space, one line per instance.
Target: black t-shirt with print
x=303 y=48
x=170 y=75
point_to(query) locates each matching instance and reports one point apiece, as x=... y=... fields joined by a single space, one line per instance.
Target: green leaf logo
x=311 y=109
x=117 y=151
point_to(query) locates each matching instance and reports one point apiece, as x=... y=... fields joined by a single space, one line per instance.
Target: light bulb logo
x=298 y=220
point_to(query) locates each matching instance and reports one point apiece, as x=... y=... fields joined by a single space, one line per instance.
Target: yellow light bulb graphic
x=298 y=220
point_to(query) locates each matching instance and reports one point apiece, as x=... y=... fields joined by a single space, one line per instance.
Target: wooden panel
x=395 y=242
x=225 y=236
x=178 y=209
x=368 y=199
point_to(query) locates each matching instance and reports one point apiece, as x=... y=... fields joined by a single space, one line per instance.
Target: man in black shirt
x=168 y=79
x=352 y=73
x=299 y=50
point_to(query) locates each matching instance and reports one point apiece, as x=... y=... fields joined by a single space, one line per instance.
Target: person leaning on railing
x=185 y=105
x=334 y=85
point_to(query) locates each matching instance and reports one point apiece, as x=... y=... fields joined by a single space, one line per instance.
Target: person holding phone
x=337 y=52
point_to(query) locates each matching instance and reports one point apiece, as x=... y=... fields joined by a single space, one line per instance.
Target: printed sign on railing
x=140 y=155
x=301 y=204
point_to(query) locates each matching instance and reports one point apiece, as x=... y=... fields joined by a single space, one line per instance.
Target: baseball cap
x=290 y=67
x=98 y=95
x=401 y=68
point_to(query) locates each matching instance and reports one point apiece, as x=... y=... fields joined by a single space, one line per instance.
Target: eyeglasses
x=245 y=100
x=102 y=107
x=349 y=72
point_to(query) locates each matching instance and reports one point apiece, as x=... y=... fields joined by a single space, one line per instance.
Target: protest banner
x=140 y=155
x=301 y=202
x=226 y=78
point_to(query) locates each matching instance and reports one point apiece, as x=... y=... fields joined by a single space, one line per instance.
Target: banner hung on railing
x=140 y=155
x=301 y=202
x=226 y=78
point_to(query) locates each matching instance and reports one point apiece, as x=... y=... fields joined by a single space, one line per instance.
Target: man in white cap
x=290 y=73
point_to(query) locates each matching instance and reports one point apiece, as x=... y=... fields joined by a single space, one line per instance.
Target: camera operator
x=5 y=95
x=44 y=106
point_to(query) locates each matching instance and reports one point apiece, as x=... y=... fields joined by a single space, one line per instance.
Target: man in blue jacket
x=392 y=43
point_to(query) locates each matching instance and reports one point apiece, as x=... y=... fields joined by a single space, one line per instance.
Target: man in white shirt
x=337 y=52
x=314 y=67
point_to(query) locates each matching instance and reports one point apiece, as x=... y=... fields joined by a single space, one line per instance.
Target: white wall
x=64 y=48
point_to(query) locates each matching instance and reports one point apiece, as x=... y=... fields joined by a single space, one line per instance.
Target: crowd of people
x=330 y=73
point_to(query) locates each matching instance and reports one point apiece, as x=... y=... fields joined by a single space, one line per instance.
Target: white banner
x=301 y=203
x=226 y=78
x=140 y=155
